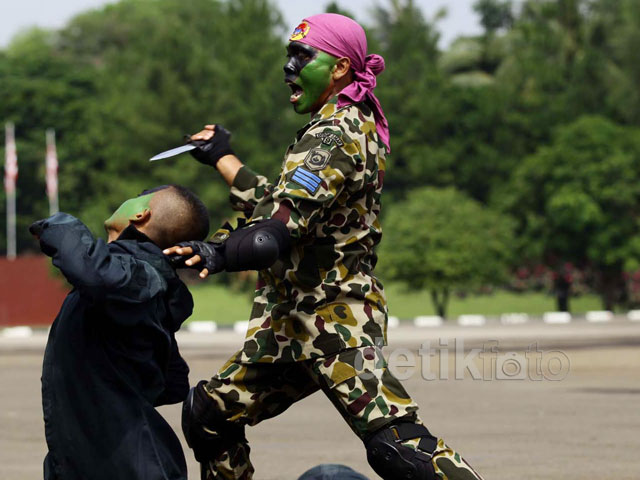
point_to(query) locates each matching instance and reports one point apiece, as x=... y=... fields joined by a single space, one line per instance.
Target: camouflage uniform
x=323 y=298
x=319 y=316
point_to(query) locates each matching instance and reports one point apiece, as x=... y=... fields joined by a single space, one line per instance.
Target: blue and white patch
x=306 y=179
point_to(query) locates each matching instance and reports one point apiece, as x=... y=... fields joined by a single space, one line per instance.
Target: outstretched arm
x=217 y=151
x=254 y=247
x=89 y=266
x=247 y=187
x=314 y=176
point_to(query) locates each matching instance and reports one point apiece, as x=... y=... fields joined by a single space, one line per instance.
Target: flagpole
x=10 y=175
x=52 y=171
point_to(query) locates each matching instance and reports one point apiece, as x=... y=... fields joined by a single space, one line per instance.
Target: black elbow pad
x=256 y=246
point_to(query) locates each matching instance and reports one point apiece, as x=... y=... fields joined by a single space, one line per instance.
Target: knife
x=190 y=145
x=173 y=152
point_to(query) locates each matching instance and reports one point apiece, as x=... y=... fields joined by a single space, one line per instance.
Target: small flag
x=52 y=171
x=10 y=177
x=10 y=160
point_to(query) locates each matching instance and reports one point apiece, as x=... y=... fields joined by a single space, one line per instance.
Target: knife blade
x=173 y=152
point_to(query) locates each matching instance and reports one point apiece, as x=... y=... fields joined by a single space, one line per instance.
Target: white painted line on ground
x=472 y=320
x=634 y=315
x=514 y=318
x=393 y=322
x=202 y=327
x=17 y=332
x=428 y=321
x=241 y=327
x=556 y=317
x=597 y=316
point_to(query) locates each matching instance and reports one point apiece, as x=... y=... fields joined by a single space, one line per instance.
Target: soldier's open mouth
x=296 y=92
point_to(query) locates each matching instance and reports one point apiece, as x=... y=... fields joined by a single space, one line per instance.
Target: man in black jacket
x=111 y=356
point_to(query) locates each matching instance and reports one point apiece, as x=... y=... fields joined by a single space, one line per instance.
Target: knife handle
x=197 y=143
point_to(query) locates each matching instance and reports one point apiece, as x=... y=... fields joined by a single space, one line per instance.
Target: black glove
x=204 y=444
x=36 y=228
x=214 y=149
x=199 y=411
x=212 y=255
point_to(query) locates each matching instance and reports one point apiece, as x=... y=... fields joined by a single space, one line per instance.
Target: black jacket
x=111 y=357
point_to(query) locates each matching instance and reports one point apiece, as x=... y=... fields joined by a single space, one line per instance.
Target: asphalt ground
x=580 y=422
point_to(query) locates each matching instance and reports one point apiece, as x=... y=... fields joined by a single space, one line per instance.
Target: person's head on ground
x=168 y=215
x=332 y=472
x=327 y=57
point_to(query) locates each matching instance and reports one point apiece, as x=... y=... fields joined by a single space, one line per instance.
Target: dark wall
x=30 y=294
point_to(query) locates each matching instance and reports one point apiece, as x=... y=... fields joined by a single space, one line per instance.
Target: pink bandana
x=340 y=36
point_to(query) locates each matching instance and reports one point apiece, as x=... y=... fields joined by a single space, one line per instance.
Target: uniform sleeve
x=89 y=266
x=248 y=189
x=315 y=172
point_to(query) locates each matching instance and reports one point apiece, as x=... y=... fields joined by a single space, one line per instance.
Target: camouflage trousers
x=356 y=381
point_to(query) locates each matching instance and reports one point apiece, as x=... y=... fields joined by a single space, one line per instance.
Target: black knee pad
x=393 y=461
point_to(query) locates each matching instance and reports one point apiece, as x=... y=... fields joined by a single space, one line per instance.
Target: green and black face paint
x=308 y=74
x=128 y=210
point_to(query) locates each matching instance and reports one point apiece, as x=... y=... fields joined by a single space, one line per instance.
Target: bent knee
x=392 y=460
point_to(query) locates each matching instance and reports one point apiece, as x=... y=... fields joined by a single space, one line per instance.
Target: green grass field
x=225 y=306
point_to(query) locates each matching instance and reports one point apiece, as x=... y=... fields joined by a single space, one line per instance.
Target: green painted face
x=308 y=73
x=126 y=212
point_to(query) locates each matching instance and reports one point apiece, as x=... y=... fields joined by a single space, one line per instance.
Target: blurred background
x=514 y=179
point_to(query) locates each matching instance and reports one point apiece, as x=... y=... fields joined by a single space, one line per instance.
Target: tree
x=576 y=200
x=126 y=81
x=407 y=87
x=42 y=88
x=440 y=240
x=494 y=14
x=168 y=70
x=615 y=34
x=443 y=132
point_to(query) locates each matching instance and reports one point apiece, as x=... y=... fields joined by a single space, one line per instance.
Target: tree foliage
x=124 y=82
x=484 y=116
x=494 y=14
x=441 y=240
x=577 y=200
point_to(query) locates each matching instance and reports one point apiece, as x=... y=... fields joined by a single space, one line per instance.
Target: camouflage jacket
x=322 y=298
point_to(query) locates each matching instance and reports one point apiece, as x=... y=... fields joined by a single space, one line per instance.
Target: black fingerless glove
x=212 y=255
x=209 y=152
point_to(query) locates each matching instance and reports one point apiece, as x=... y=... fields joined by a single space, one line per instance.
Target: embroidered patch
x=300 y=32
x=317 y=159
x=329 y=137
x=308 y=180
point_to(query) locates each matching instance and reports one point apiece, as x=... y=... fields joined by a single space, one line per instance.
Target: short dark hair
x=178 y=215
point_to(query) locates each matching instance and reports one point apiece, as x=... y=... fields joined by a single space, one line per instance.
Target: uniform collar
x=136 y=243
x=132 y=233
x=327 y=110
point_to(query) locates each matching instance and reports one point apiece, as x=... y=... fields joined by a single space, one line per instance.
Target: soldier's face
x=130 y=211
x=308 y=73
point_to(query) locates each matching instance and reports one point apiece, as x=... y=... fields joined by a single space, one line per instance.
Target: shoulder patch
x=317 y=159
x=329 y=137
x=306 y=179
